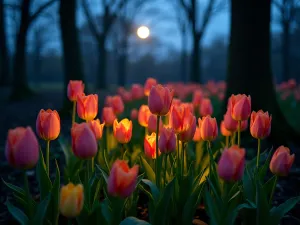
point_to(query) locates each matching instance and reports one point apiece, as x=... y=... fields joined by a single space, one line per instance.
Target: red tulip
x=206 y=107
x=108 y=116
x=134 y=114
x=260 y=124
x=208 y=128
x=75 y=88
x=282 y=161
x=97 y=128
x=240 y=106
x=48 y=124
x=148 y=85
x=167 y=140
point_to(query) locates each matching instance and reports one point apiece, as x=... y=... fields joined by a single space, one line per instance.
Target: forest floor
x=24 y=114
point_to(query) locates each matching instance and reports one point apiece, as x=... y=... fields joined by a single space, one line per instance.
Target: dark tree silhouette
x=71 y=51
x=20 y=85
x=249 y=69
x=4 y=58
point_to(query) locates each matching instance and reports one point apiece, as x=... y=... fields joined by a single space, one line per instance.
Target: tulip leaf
x=212 y=208
x=54 y=202
x=231 y=218
x=270 y=184
x=154 y=190
x=248 y=185
x=17 y=213
x=278 y=212
x=264 y=169
x=19 y=191
x=67 y=152
x=262 y=213
x=44 y=182
x=252 y=163
x=41 y=211
x=133 y=221
x=103 y=173
x=148 y=170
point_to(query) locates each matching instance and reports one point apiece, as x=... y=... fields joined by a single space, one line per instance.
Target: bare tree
x=4 y=58
x=100 y=31
x=20 y=84
x=198 y=28
x=287 y=10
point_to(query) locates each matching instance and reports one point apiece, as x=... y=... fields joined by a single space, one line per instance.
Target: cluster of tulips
x=169 y=150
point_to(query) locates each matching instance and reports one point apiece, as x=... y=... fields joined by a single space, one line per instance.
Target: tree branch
x=89 y=18
x=206 y=17
x=40 y=10
x=13 y=6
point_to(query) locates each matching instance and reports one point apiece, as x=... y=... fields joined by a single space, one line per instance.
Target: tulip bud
x=87 y=107
x=260 y=124
x=75 y=88
x=167 y=140
x=281 y=161
x=48 y=124
x=123 y=130
x=206 y=107
x=22 y=148
x=148 y=85
x=160 y=100
x=224 y=131
x=97 y=128
x=143 y=117
x=122 y=179
x=208 y=128
x=84 y=143
x=150 y=146
x=240 y=106
x=197 y=135
x=108 y=116
x=152 y=123
x=232 y=163
x=117 y=104
x=71 y=200
x=134 y=114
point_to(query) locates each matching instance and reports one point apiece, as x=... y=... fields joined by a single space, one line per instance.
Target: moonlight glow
x=143 y=32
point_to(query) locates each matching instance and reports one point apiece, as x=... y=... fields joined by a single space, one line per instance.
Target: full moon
x=143 y=32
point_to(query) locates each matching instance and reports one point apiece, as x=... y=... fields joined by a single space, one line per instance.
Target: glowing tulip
x=282 y=161
x=197 y=135
x=148 y=85
x=134 y=114
x=240 y=107
x=232 y=164
x=260 y=124
x=206 y=107
x=189 y=130
x=75 y=88
x=84 y=143
x=48 y=124
x=122 y=179
x=22 y=148
x=97 y=128
x=181 y=118
x=71 y=200
x=224 y=131
x=108 y=116
x=123 y=130
x=143 y=116
x=160 y=100
x=167 y=140
x=208 y=128
x=87 y=107
x=150 y=146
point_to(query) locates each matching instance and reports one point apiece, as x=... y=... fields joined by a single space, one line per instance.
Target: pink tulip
x=282 y=161
x=167 y=140
x=240 y=106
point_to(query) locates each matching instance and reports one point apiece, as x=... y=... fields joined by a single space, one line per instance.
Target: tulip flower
x=197 y=98
x=240 y=106
x=224 y=131
x=152 y=122
x=71 y=200
x=143 y=116
x=206 y=107
x=117 y=104
x=126 y=96
x=87 y=107
x=137 y=91
x=84 y=143
x=150 y=145
x=22 y=148
x=122 y=179
x=232 y=163
x=208 y=128
x=197 y=135
x=160 y=100
x=244 y=125
x=148 y=85
x=123 y=130
x=75 y=88
x=167 y=140
x=97 y=128
x=260 y=124
x=48 y=124
x=229 y=123
x=189 y=131
x=281 y=161
x=108 y=116
x=134 y=114
x=181 y=119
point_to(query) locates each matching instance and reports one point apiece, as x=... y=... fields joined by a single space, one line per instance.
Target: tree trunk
x=4 y=58
x=249 y=69
x=21 y=89
x=195 y=71
x=183 y=56
x=285 y=51
x=70 y=43
x=102 y=55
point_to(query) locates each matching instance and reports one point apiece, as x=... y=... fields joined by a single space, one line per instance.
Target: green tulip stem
x=182 y=159
x=239 y=132
x=258 y=153
x=107 y=139
x=157 y=164
x=227 y=141
x=210 y=157
x=166 y=166
x=146 y=131
x=47 y=156
x=27 y=194
x=273 y=189
x=178 y=157
x=74 y=112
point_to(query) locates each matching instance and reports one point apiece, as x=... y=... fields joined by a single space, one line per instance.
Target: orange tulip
x=232 y=164
x=108 y=116
x=87 y=107
x=71 y=200
x=208 y=128
x=122 y=179
x=148 y=85
x=240 y=106
x=117 y=104
x=260 y=124
x=224 y=131
x=97 y=128
x=189 y=130
x=75 y=88
x=181 y=118
x=22 y=148
x=143 y=116
x=48 y=124
x=84 y=143
x=150 y=146
x=167 y=140
x=197 y=135
x=134 y=114
x=281 y=161
x=152 y=123
x=160 y=100
x=206 y=107
x=123 y=130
